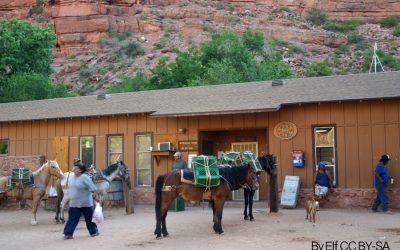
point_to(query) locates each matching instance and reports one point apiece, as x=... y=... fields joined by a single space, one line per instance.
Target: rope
x=208 y=174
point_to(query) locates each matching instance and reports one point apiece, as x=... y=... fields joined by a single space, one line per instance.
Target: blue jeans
x=381 y=197
x=74 y=213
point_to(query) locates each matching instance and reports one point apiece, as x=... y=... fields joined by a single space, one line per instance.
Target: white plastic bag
x=52 y=192
x=98 y=214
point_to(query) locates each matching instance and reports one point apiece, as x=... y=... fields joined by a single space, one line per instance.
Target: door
x=238 y=195
x=60 y=152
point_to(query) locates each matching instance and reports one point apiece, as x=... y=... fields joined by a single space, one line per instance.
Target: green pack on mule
x=232 y=159
x=206 y=171
x=20 y=177
x=252 y=159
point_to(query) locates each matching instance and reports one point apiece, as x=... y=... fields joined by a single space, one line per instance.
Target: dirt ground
x=192 y=229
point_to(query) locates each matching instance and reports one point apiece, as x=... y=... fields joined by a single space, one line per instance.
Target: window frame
x=8 y=147
x=108 y=147
x=94 y=147
x=335 y=181
x=136 y=160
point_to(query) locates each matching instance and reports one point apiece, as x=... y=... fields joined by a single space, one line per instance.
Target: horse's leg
x=60 y=197
x=213 y=208
x=251 y=196
x=63 y=203
x=219 y=207
x=164 y=224
x=159 y=205
x=246 y=202
x=37 y=196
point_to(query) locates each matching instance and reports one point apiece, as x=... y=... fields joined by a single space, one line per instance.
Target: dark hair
x=78 y=163
x=385 y=158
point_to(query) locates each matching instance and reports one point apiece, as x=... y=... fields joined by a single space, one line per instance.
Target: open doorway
x=239 y=140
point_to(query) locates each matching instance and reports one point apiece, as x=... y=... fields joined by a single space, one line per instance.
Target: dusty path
x=192 y=230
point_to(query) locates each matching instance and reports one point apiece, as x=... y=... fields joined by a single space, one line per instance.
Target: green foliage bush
x=254 y=41
x=342 y=49
x=130 y=84
x=121 y=36
x=319 y=69
x=389 y=22
x=25 y=87
x=345 y=26
x=396 y=31
x=354 y=37
x=316 y=16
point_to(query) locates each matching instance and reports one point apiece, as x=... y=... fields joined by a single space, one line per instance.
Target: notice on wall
x=290 y=191
x=188 y=145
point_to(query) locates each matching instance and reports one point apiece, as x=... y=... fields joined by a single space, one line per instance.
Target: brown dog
x=311 y=208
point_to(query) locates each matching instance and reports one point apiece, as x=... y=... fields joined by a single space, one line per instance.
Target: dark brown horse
x=268 y=165
x=169 y=186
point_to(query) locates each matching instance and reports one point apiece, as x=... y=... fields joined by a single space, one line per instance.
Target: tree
x=25 y=59
x=25 y=87
x=226 y=58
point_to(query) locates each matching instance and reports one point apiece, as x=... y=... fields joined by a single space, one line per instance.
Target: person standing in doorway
x=81 y=201
x=381 y=184
x=178 y=163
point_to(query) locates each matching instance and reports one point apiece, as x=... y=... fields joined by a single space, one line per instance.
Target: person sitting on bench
x=322 y=182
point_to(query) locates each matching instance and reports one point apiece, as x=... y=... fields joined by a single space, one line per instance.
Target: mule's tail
x=159 y=186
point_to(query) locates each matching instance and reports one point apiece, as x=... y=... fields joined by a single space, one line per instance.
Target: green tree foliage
x=226 y=58
x=319 y=69
x=25 y=87
x=25 y=58
x=130 y=84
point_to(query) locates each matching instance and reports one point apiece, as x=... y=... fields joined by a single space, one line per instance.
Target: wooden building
x=346 y=121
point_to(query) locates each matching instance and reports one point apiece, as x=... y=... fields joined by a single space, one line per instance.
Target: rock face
x=370 y=10
x=81 y=23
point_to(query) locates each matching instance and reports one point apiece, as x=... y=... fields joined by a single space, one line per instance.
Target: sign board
x=290 y=191
x=188 y=145
x=297 y=158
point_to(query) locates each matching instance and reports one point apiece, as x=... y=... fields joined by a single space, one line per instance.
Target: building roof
x=215 y=99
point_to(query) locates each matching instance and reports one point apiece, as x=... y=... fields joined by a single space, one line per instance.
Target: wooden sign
x=285 y=130
x=188 y=145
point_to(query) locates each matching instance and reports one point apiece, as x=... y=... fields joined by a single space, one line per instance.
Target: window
x=143 y=160
x=4 y=147
x=238 y=195
x=114 y=146
x=325 y=149
x=86 y=150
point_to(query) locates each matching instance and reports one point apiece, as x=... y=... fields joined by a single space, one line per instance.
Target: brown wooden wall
x=364 y=131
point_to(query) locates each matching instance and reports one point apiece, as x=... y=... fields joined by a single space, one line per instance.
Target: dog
x=311 y=208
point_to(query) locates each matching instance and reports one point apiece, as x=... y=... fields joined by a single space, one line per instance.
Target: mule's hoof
x=246 y=217
x=221 y=233
x=158 y=237
x=166 y=235
x=33 y=223
x=251 y=218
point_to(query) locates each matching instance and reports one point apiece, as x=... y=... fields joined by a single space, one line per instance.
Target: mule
x=169 y=186
x=118 y=169
x=42 y=178
x=268 y=165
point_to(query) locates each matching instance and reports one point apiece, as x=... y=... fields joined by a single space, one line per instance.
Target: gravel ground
x=192 y=229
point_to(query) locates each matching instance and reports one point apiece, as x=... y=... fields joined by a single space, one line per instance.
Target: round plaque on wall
x=285 y=130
